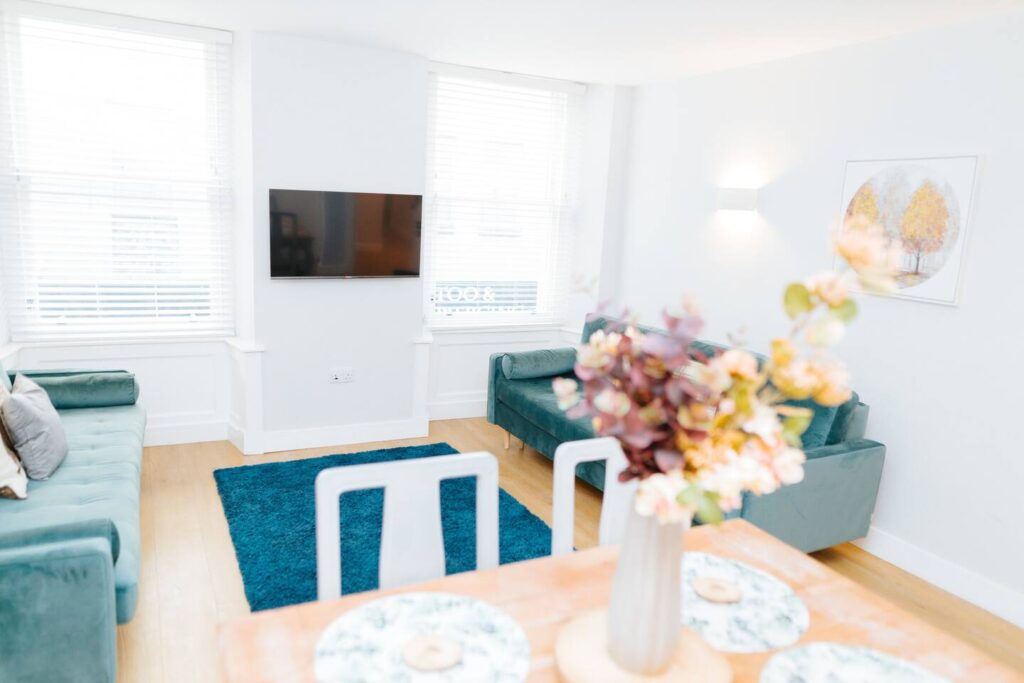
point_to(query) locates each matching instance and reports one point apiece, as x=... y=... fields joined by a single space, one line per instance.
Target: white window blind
x=500 y=205
x=114 y=176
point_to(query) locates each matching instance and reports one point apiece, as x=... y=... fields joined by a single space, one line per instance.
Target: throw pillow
x=34 y=428
x=13 y=480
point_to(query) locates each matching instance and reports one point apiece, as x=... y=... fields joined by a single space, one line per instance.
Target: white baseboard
x=994 y=597
x=340 y=435
x=457 y=408
x=246 y=442
x=186 y=432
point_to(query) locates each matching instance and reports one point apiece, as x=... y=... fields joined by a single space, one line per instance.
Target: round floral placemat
x=367 y=643
x=835 y=663
x=768 y=615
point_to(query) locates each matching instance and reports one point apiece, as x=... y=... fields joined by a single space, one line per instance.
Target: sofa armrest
x=834 y=502
x=494 y=375
x=103 y=529
x=70 y=389
x=504 y=367
x=58 y=619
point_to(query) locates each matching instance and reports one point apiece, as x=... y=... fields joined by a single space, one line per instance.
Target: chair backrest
x=412 y=545
x=618 y=496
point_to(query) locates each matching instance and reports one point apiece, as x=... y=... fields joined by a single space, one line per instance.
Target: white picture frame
x=925 y=205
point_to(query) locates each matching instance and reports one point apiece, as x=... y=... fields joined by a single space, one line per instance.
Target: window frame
x=563 y=237
x=219 y=101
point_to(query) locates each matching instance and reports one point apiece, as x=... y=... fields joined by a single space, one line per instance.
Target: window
x=500 y=205
x=115 y=206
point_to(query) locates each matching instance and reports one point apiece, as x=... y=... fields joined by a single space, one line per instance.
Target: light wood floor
x=190 y=581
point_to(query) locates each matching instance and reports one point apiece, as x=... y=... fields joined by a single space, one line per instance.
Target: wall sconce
x=737 y=199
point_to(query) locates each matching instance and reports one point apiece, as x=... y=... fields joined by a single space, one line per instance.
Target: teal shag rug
x=270 y=510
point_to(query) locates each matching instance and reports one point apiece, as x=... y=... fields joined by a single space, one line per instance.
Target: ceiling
x=603 y=41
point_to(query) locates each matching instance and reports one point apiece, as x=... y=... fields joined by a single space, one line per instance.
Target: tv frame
x=270 y=227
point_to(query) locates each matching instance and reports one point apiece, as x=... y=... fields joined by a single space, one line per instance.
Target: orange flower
x=829 y=287
x=833 y=383
x=796 y=380
x=864 y=245
x=737 y=362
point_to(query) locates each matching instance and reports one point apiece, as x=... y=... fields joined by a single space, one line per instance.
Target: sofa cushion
x=99 y=479
x=105 y=434
x=817 y=432
x=32 y=425
x=841 y=423
x=535 y=400
x=541 y=363
x=88 y=389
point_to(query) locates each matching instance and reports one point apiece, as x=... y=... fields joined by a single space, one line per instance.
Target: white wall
x=603 y=161
x=331 y=116
x=942 y=381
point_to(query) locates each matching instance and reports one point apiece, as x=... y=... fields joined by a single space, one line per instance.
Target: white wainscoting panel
x=459 y=360
x=183 y=384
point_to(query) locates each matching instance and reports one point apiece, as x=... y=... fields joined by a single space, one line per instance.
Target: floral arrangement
x=700 y=429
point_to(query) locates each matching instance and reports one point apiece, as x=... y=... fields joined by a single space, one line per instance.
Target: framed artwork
x=924 y=206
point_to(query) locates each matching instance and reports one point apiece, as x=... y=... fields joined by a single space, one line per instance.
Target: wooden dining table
x=278 y=645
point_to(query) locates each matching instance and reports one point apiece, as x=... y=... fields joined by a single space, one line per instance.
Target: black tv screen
x=344 y=234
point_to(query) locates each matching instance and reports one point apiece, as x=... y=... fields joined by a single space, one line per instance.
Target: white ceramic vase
x=645 y=610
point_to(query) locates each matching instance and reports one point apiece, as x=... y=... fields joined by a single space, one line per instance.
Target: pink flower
x=737 y=363
x=829 y=287
x=658 y=495
x=796 y=380
x=613 y=403
x=565 y=389
x=789 y=466
x=864 y=245
x=833 y=383
x=711 y=376
x=763 y=423
x=826 y=331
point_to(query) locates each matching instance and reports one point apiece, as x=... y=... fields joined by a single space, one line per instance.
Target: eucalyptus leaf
x=708 y=510
x=797 y=300
x=846 y=311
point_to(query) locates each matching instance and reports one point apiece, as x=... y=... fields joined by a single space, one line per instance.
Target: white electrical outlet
x=341 y=375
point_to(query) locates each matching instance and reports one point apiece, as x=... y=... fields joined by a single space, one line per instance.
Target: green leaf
x=688 y=496
x=846 y=311
x=708 y=510
x=797 y=424
x=797 y=300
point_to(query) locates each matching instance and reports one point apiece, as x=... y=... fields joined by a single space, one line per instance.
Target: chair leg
x=522 y=445
x=507 y=439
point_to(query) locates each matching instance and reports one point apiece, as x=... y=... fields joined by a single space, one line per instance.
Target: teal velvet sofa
x=833 y=503
x=69 y=553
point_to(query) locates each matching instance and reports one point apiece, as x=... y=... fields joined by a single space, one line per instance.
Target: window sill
x=120 y=341
x=494 y=328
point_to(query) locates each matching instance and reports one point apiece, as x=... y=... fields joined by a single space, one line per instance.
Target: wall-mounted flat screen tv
x=344 y=234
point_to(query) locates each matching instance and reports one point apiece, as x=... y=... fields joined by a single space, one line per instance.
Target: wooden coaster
x=581 y=655
x=431 y=652
x=717 y=590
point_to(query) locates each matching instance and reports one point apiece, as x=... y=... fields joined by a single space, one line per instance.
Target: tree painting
x=864 y=204
x=918 y=211
x=923 y=226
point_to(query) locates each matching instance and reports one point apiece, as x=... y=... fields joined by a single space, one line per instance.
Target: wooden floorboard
x=190 y=581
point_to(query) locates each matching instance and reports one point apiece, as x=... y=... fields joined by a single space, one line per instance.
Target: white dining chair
x=411 y=544
x=618 y=496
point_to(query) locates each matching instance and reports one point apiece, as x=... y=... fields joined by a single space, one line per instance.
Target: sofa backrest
x=594 y=323
x=831 y=425
x=4 y=378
